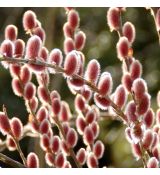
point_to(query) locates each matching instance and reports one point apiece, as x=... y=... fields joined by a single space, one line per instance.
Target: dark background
x=100 y=45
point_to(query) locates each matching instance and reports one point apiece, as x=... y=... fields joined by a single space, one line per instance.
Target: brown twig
x=10 y=161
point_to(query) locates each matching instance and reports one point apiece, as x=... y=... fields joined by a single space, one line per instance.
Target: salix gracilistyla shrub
x=130 y=101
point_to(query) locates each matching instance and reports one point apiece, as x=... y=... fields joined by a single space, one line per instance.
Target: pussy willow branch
x=72 y=154
x=16 y=142
x=10 y=161
x=59 y=69
x=61 y=130
x=120 y=34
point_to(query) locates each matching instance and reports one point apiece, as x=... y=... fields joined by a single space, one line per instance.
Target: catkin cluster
x=130 y=101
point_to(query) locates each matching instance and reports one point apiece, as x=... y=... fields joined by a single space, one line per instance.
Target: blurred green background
x=100 y=45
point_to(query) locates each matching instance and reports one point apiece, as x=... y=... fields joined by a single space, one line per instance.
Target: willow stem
x=5 y=159
x=59 y=69
x=20 y=151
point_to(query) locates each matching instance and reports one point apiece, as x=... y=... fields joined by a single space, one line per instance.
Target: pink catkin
x=10 y=143
x=29 y=90
x=67 y=164
x=25 y=74
x=4 y=123
x=54 y=94
x=65 y=113
x=148 y=118
x=87 y=93
x=16 y=86
x=73 y=19
x=39 y=31
x=44 y=53
x=56 y=106
x=113 y=18
x=120 y=96
x=95 y=129
x=136 y=70
x=98 y=149
x=90 y=116
x=60 y=160
x=65 y=148
x=11 y=32
x=79 y=103
x=139 y=87
x=136 y=150
x=43 y=95
x=128 y=31
x=131 y=111
x=81 y=156
x=34 y=103
x=42 y=114
x=55 y=57
x=105 y=84
x=80 y=39
x=66 y=127
x=7 y=48
x=45 y=142
x=67 y=30
x=32 y=160
x=44 y=127
x=80 y=124
x=92 y=71
x=29 y=20
x=68 y=45
x=88 y=135
x=102 y=102
x=14 y=70
x=55 y=144
x=144 y=104
x=49 y=159
x=127 y=81
x=152 y=163
x=33 y=47
x=122 y=48
x=136 y=132
x=147 y=139
x=16 y=127
x=156 y=153
x=71 y=63
x=71 y=138
x=92 y=161
x=19 y=46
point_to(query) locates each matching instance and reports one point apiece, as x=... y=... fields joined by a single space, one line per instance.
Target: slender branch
x=10 y=161
x=72 y=154
x=20 y=151
x=132 y=93
x=143 y=154
x=59 y=69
